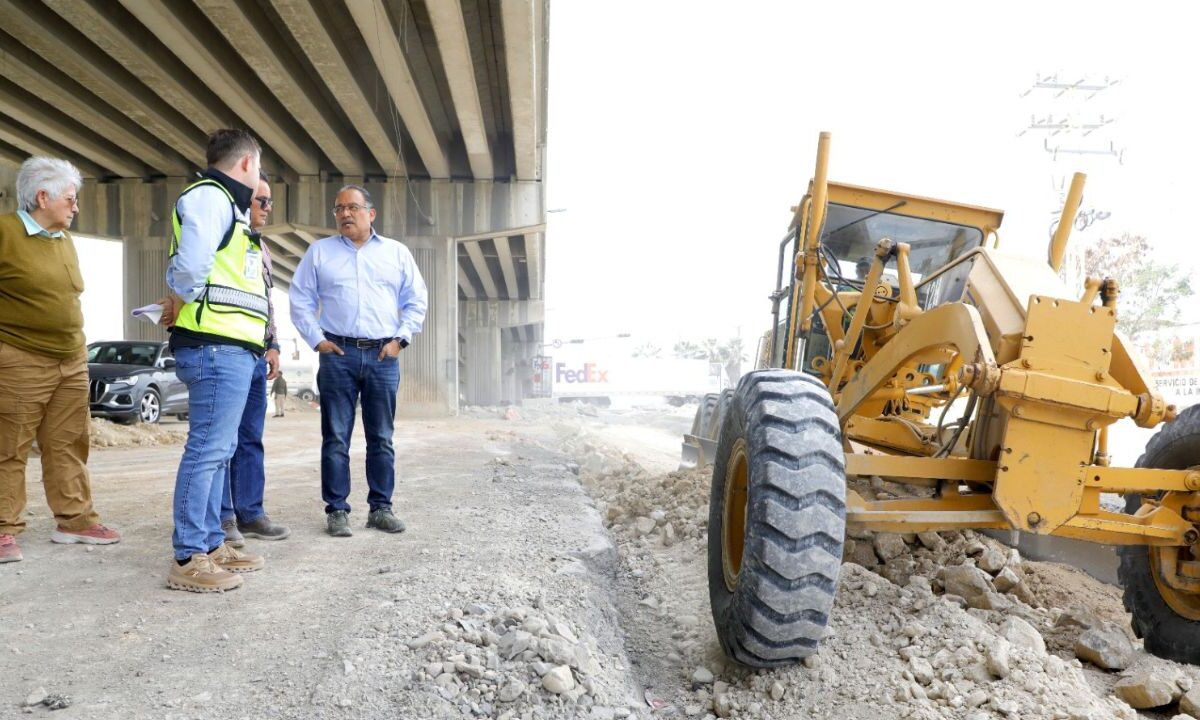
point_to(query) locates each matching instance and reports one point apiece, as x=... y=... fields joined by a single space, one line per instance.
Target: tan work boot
x=236 y=561
x=201 y=575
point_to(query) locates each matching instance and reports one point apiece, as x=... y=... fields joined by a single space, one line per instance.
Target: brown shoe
x=236 y=561
x=201 y=575
x=95 y=535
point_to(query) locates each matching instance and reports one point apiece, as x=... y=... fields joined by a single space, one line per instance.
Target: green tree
x=1151 y=292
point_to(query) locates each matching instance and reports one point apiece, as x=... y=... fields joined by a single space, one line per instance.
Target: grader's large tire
x=1168 y=620
x=777 y=519
x=724 y=400
x=704 y=415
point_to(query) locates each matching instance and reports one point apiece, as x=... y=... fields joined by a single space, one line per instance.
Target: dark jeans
x=245 y=479
x=344 y=381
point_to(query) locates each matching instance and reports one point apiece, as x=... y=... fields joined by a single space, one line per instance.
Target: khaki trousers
x=279 y=401
x=45 y=398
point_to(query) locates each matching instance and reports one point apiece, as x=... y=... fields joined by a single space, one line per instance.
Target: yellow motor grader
x=906 y=346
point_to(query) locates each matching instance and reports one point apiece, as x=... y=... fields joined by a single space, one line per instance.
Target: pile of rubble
x=517 y=662
x=105 y=433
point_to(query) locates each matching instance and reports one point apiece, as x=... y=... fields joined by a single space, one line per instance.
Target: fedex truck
x=591 y=377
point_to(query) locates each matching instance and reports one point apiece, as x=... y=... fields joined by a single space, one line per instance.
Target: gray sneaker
x=232 y=536
x=337 y=523
x=264 y=529
x=383 y=519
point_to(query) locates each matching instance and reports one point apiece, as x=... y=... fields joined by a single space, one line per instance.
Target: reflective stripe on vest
x=233 y=303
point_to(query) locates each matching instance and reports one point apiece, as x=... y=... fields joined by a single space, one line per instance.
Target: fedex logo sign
x=589 y=373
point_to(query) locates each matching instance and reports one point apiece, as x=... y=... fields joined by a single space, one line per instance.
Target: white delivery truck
x=589 y=376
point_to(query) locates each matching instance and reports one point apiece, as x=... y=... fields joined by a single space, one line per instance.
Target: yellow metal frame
x=1048 y=374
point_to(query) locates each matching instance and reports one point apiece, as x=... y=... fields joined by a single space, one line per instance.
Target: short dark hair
x=366 y=195
x=229 y=144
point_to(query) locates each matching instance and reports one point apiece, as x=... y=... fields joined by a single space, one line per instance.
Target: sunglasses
x=264 y=202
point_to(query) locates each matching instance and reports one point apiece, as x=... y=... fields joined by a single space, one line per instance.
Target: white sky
x=681 y=132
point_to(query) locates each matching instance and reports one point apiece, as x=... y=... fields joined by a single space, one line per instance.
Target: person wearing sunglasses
x=242 y=513
x=372 y=301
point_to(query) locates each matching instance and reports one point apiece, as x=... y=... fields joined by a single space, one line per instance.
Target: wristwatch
x=402 y=341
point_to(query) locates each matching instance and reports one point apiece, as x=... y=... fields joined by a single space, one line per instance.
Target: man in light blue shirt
x=358 y=298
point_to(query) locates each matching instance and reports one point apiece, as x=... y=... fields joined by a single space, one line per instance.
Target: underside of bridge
x=438 y=107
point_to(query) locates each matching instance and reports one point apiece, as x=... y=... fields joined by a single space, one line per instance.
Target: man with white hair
x=43 y=359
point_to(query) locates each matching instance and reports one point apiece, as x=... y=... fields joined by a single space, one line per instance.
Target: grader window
x=852 y=232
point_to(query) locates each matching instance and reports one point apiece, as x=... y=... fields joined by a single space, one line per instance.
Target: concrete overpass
x=437 y=106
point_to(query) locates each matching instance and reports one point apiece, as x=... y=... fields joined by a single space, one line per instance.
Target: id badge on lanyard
x=252 y=266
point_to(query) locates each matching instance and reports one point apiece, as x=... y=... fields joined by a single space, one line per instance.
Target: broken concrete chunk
x=992 y=561
x=965 y=581
x=1023 y=635
x=559 y=680
x=1144 y=690
x=889 y=545
x=1106 y=647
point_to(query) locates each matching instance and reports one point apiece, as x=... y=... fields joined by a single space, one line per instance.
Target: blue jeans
x=218 y=379
x=245 y=479
x=343 y=381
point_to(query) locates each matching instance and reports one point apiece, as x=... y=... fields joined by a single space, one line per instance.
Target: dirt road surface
x=554 y=567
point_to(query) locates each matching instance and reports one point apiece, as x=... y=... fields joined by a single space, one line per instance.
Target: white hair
x=54 y=175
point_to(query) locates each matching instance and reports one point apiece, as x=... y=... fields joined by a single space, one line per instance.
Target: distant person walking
x=218 y=339
x=43 y=359
x=371 y=301
x=279 y=392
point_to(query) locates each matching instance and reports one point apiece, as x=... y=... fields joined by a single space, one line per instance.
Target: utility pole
x=1072 y=121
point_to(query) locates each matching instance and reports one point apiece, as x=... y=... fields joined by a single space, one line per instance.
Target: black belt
x=360 y=343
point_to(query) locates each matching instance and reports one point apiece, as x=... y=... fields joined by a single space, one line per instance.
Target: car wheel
x=182 y=416
x=307 y=395
x=150 y=408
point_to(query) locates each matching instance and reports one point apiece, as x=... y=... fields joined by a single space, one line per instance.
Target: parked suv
x=134 y=382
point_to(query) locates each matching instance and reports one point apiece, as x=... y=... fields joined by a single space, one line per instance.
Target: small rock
x=932 y=540
x=418 y=643
x=56 y=701
x=965 y=581
x=1076 y=616
x=1006 y=580
x=777 y=691
x=1106 y=647
x=35 y=697
x=996 y=658
x=1144 y=690
x=513 y=643
x=1190 y=702
x=345 y=702
x=991 y=561
x=889 y=545
x=559 y=680
x=990 y=601
x=921 y=670
x=644 y=526
x=511 y=690
x=1023 y=635
x=702 y=676
x=974 y=548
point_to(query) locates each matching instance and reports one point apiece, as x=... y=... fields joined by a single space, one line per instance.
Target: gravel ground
x=554 y=567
